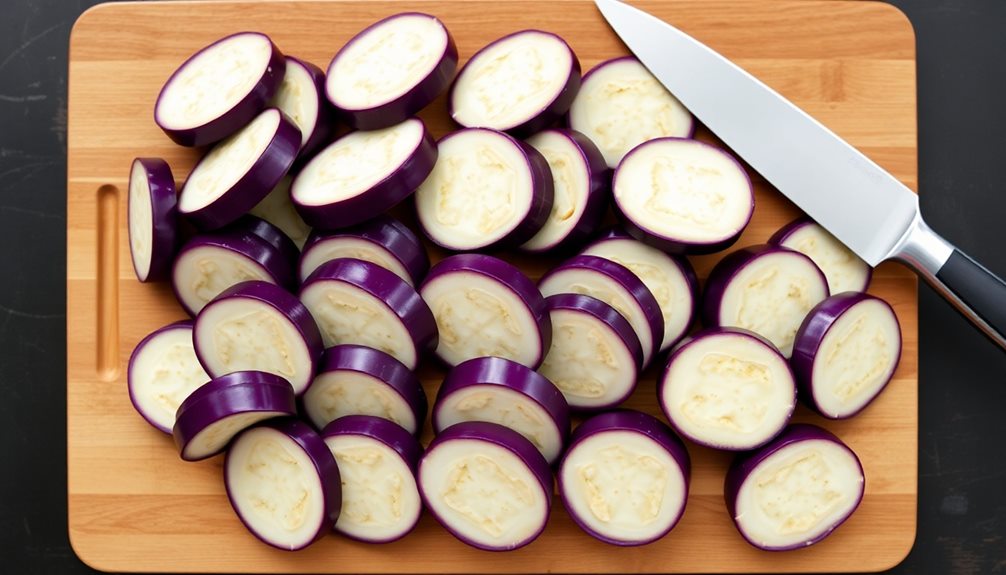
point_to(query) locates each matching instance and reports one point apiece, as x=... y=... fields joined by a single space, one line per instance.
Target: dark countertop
x=962 y=130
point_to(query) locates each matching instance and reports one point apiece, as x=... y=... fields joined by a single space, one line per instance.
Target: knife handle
x=983 y=292
x=976 y=292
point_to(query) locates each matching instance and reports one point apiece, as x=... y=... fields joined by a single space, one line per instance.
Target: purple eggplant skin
x=551 y=112
x=789 y=229
x=811 y=334
x=662 y=382
x=409 y=103
x=482 y=371
x=542 y=197
x=390 y=434
x=745 y=463
x=681 y=262
x=324 y=125
x=728 y=267
x=381 y=366
x=607 y=315
x=185 y=324
x=506 y=275
x=239 y=115
x=783 y=233
x=598 y=193
x=230 y=394
x=324 y=462
x=629 y=281
x=676 y=245
x=282 y=301
x=634 y=422
x=398 y=185
x=384 y=231
x=268 y=169
x=271 y=234
x=164 y=219
x=249 y=245
x=401 y=298
x=508 y=439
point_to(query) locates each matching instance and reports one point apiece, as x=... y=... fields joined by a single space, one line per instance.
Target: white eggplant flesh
x=163 y=371
x=728 y=389
x=486 y=307
x=765 y=289
x=683 y=196
x=486 y=190
x=380 y=496
x=621 y=105
x=795 y=491
x=623 y=486
x=844 y=269
x=335 y=395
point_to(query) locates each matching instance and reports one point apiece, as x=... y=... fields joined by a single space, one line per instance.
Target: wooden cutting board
x=135 y=506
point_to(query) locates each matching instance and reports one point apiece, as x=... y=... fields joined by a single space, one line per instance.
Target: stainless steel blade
x=861 y=204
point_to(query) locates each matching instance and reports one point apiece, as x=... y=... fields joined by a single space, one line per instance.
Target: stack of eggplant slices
x=314 y=307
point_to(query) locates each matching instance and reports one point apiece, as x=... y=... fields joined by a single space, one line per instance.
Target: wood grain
x=135 y=506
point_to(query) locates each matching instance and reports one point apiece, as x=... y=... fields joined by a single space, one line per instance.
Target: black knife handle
x=976 y=292
x=979 y=289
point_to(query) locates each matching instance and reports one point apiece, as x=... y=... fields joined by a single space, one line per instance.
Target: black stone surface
x=962 y=127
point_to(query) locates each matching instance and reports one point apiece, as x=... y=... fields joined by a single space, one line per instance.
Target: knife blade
x=852 y=197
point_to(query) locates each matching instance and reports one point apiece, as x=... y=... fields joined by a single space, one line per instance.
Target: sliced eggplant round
x=580 y=180
x=391 y=70
x=301 y=97
x=214 y=413
x=284 y=483
x=358 y=380
x=153 y=218
x=795 y=491
x=487 y=485
x=621 y=105
x=486 y=307
x=520 y=83
x=163 y=371
x=595 y=357
x=259 y=326
x=727 y=388
x=845 y=353
x=843 y=268
x=363 y=174
x=377 y=465
x=766 y=289
x=615 y=285
x=670 y=278
x=382 y=240
x=683 y=196
x=277 y=209
x=624 y=478
x=239 y=171
x=210 y=263
x=358 y=302
x=487 y=190
x=219 y=89
x=505 y=392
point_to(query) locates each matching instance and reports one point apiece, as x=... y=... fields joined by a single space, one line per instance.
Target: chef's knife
x=866 y=208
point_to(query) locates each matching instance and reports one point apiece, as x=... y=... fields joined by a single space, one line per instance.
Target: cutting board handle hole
x=108 y=283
